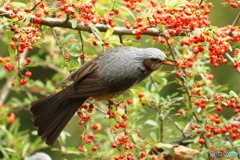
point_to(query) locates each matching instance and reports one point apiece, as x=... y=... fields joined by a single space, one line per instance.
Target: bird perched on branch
x=103 y=78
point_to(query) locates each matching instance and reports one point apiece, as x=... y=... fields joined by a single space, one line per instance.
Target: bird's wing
x=93 y=85
x=83 y=71
x=88 y=83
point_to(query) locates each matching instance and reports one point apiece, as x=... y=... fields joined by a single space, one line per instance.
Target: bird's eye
x=155 y=60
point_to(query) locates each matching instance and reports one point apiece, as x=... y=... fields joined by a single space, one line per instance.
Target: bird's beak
x=169 y=61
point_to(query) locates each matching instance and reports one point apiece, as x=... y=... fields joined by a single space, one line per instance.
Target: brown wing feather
x=88 y=83
x=83 y=71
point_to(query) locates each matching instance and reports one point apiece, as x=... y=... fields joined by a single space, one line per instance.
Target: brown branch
x=51 y=66
x=184 y=85
x=54 y=22
x=7 y=87
x=232 y=60
x=175 y=124
x=181 y=139
x=35 y=6
x=5 y=3
x=236 y=19
x=61 y=49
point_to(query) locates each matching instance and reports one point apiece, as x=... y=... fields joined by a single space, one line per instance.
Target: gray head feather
x=126 y=62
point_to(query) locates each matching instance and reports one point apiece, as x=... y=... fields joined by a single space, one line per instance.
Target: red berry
x=124 y=116
x=81 y=148
x=23 y=81
x=106 y=44
x=45 y=11
x=117 y=126
x=94 y=42
x=201 y=141
x=129 y=101
x=140 y=95
x=94 y=149
x=28 y=74
x=219 y=109
x=95 y=127
x=81 y=122
x=28 y=60
x=86 y=23
x=114 y=145
x=81 y=56
x=217 y=121
x=222 y=150
x=66 y=56
x=180 y=111
x=79 y=112
x=90 y=136
x=165 y=154
x=143 y=154
x=199 y=84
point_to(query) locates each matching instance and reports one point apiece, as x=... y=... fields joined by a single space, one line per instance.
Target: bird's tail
x=51 y=114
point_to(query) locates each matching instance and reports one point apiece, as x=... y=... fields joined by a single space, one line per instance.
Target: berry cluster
x=233 y=3
x=214 y=125
x=87 y=137
x=187 y=17
x=218 y=44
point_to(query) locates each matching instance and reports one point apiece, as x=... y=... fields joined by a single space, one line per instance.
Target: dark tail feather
x=51 y=114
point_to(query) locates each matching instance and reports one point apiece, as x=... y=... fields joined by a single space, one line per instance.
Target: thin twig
x=235 y=149
x=232 y=60
x=52 y=66
x=82 y=45
x=5 y=3
x=7 y=87
x=184 y=85
x=181 y=139
x=81 y=39
x=36 y=5
x=99 y=109
x=236 y=19
x=120 y=39
x=183 y=134
x=96 y=35
x=61 y=49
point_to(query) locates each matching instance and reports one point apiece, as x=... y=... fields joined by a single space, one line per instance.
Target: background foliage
x=191 y=104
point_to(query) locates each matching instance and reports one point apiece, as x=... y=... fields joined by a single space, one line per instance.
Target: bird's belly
x=106 y=96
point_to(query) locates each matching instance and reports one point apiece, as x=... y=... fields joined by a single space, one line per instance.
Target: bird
x=105 y=77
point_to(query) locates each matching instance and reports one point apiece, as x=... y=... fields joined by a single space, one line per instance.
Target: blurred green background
x=220 y=16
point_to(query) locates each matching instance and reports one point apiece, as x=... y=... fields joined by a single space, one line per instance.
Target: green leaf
x=26 y=20
x=8 y=74
x=72 y=150
x=5 y=154
x=129 y=11
x=93 y=27
x=10 y=150
x=74 y=45
x=232 y=94
x=151 y=122
x=74 y=23
x=109 y=33
x=31 y=65
x=153 y=136
x=68 y=37
x=25 y=149
x=168 y=150
x=18 y=4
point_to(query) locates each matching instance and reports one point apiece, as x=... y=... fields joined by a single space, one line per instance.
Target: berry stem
x=61 y=49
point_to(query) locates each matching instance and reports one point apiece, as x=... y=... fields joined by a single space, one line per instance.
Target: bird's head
x=154 y=58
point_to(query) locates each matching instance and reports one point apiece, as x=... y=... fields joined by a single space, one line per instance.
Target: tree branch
x=54 y=22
